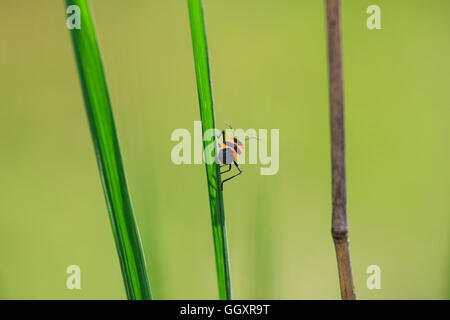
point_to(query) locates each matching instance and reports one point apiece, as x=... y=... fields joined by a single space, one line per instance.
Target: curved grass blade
x=204 y=88
x=106 y=144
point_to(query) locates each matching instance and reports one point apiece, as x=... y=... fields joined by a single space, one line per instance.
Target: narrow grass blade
x=339 y=189
x=205 y=96
x=106 y=144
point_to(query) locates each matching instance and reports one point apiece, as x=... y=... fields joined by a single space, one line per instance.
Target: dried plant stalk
x=339 y=228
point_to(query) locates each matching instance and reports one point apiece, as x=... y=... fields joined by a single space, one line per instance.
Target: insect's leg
x=229 y=168
x=240 y=171
x=222 y=134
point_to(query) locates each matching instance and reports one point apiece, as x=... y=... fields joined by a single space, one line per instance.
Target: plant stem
x=107 y=149
x=339 y=192
x=202 y=70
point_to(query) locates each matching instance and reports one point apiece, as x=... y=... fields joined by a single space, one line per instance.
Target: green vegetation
x=205 y=97
x=269 y=66
x=106 y=144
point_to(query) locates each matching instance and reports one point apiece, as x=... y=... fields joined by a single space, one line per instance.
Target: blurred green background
x=269 y=70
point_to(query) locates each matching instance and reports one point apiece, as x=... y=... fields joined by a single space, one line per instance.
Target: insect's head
x=236 y=140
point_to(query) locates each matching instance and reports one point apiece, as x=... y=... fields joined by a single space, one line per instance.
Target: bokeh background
x=269 y=70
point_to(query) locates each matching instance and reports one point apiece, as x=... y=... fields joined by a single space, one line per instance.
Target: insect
x=229 y=151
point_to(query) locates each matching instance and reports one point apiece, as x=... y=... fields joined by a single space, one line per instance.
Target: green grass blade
x=106 y=144
x=204 y=88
